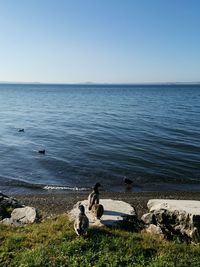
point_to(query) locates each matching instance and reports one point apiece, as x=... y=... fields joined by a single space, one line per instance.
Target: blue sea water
x=150 y=134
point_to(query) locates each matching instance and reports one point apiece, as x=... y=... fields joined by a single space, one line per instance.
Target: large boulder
x=25 y=215
x=175 y=218
x=115 y=213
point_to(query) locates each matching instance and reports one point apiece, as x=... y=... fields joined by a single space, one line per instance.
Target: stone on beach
x=148 y=218
x=14 y=213
x=115 y=212
x=25 y=215
x=7 y=204
x=10 y=221
x=154 y=229
x=175 y=217
x=189 y=206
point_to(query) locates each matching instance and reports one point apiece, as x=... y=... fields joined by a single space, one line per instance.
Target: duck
x=127 y=181
x=93 y=197
x=41 y=151
x=97 y=211
x=81 y=224
x=21 y=130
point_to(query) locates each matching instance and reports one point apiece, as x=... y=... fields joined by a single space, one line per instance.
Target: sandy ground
x=57 y=203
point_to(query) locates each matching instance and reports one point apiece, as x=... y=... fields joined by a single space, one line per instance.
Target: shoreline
x=51 y=204
x=39 y=189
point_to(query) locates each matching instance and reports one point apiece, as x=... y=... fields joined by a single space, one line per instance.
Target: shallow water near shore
x=91 y=133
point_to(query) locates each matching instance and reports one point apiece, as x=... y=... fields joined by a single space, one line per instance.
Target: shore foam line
x=49 y=187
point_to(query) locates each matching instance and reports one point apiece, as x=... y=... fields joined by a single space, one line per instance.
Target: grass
x=54 y=243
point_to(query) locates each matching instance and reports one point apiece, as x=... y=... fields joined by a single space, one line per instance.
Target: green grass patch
x=54 y=243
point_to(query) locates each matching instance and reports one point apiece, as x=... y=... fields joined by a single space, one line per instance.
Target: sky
x=101 y=41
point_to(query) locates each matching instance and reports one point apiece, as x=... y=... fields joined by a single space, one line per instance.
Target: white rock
x=188 y=206
x=24 y=215
x=115 y=211
x=183 y=216
x=10 y=221
x=148 y=218
x=154 y=229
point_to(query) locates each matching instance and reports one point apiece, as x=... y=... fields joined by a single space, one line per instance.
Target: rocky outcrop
x=14 y=213
x=7 y=204
x=116 y=213
x=174 y=218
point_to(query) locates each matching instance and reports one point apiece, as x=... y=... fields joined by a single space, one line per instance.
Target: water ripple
x=98 y=133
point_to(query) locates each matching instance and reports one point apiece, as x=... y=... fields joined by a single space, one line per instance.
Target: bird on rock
x=81 y=223
x=97 y=211
x=93 y=197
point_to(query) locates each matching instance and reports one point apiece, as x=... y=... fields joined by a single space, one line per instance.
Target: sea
x=99 y=133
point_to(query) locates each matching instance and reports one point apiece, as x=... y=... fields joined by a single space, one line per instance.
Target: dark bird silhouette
x=93 y=197
x=21 y=130
x=127 y=181
x=81 y=224
x=97 y=211
x=41 y=151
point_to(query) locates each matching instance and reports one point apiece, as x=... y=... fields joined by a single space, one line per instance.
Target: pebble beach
x=51 y=204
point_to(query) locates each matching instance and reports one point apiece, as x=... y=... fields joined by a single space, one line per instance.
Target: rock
x=25 y=215
x=7 y=204
x=9 y=201
x=177 y=217
x=3 y=213
x=14 y=213
x=10 y=221
x=115 y=212
x=148 y=218
x=154 y=229
x=189 y=206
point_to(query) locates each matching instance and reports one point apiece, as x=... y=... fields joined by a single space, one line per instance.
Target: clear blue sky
x=120 y=41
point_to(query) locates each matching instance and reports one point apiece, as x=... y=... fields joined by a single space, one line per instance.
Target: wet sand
x=52 y=203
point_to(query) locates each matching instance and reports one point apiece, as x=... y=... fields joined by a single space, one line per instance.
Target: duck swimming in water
x=81 y=224
x=93 y=198
x=41 y=151
x=97 y=211
x=127 y=181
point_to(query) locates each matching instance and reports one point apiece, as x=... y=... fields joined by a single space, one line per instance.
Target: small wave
x=15 y=182
x=51 y=187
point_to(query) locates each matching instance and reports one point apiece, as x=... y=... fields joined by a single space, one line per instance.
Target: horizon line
x=101 y=83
